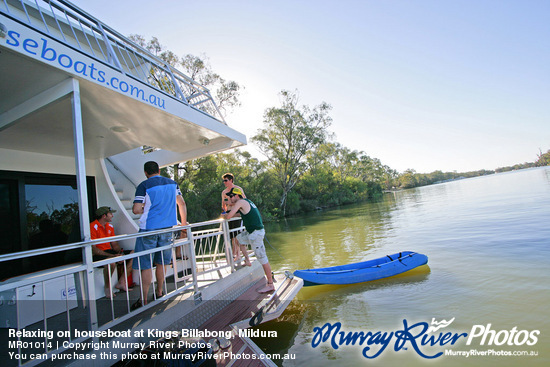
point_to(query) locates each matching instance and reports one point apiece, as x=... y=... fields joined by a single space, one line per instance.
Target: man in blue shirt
x=156 y=200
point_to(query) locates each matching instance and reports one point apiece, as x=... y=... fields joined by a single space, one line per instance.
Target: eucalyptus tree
x=290 y=132
x=408 y=179
x=543 y=159
x=226 y=93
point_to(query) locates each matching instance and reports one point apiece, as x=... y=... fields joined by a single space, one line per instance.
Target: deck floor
x=239 y=312
x=234 y=316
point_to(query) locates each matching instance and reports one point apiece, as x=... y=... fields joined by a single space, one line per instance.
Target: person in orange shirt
x=101 y=228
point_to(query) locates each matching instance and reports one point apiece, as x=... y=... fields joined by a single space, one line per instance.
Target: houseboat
x=82 y=108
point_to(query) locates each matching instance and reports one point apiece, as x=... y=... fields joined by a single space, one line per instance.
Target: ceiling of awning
x=112 y=122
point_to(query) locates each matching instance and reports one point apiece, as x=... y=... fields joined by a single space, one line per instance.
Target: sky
x=455 y=85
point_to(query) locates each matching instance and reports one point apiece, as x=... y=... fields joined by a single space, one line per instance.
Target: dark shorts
x=110 y=251
x=232 y=225
x=101 y=257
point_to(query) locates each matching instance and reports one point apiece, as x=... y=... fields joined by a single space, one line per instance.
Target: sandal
x=136 y=305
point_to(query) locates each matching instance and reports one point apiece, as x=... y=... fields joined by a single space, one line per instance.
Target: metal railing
x=57 y=300
x=73 y=27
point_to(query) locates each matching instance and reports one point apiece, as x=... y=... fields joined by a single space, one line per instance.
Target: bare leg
x=269 y=286
x=159 y=272
x=129 y=264
x=146 y=279
x=244 y=250
x=107 y=278
x=236 y=256
x=122 y=277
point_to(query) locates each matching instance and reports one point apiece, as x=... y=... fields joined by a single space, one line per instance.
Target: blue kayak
x=365 y=271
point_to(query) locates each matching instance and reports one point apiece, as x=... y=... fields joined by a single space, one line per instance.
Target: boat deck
x=237 y=315
x=185 y=311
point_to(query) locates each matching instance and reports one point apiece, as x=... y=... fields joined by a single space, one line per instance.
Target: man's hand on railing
x=183 y=233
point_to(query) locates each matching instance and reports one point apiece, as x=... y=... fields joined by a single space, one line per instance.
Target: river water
x=488 y=244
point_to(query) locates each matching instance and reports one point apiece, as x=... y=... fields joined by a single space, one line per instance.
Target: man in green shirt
x=254 y=233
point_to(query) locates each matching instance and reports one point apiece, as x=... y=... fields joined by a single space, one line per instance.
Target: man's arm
x=233 y=213
x=182 y=208
x=115 y=246
x=98 y=251
x=138 y=208
x=139 y=199
x=224 y=201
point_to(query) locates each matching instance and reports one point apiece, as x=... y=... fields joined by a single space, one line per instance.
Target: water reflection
x=349 y=304
x=331 y=237
x=488 y=244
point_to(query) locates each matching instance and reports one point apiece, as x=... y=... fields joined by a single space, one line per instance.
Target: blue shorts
x=151 y=242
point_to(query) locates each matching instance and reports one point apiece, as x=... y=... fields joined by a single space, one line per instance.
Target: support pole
x=80 y=163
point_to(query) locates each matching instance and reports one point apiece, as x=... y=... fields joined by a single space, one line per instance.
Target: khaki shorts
x=256 y=240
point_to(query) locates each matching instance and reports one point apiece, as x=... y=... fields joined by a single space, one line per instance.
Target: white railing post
x=110 y=50
x=228 y=245
x=177 y=88
x=193 y=260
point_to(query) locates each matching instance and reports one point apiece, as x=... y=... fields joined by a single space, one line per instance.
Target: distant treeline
x=334 y=176
x=319 y=187
x=410 y=178
x=543 y=160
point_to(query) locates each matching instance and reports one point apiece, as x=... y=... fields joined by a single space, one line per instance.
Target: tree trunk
x=283 y=202
x=176 y=172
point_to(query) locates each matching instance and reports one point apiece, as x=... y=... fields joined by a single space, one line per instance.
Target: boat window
x=40 y=210
x=52 y=215
x=53 y=207
x=9 y=215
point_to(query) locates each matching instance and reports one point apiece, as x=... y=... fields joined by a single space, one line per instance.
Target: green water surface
x=488 y=244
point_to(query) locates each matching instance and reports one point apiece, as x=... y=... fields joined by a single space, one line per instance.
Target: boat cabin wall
x=25 y=161
x=38 y=194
